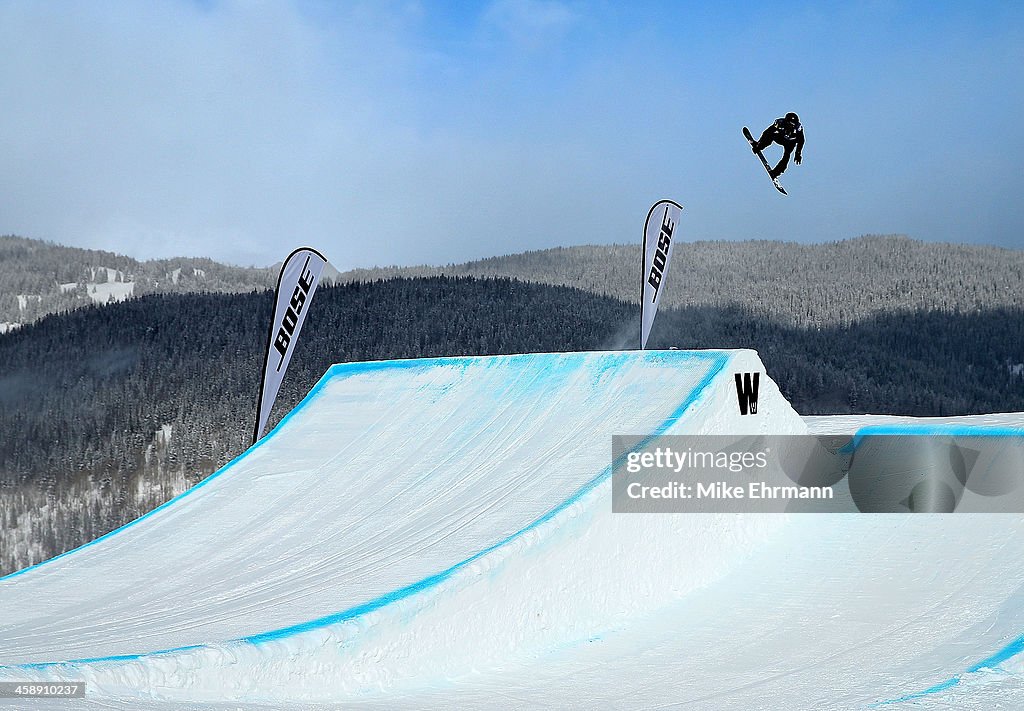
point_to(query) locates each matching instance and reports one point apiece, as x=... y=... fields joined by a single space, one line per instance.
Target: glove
x=798 y=159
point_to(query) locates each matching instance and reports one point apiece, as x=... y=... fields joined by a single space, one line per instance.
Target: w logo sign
x=746 y=392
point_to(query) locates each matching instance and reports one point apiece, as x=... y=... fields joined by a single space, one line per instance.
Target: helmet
x=792 y=117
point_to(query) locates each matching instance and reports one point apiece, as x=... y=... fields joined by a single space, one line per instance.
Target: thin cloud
x=402 y=133
x=529 y=23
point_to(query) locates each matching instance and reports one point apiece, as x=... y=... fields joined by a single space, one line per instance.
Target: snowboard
x=775 y=181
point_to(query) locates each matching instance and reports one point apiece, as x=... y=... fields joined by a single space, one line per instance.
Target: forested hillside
x=798 y=284
x=39 y=278
x=107 y=411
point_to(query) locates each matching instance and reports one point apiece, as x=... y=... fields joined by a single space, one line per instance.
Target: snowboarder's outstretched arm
x=798 y=158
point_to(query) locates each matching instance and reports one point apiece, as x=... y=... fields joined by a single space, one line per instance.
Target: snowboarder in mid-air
x=789 y=134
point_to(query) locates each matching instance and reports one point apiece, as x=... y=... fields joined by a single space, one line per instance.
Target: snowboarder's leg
x=767 y=138
x=781 y=166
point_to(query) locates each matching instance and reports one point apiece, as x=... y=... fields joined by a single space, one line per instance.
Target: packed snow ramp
x=437 y=533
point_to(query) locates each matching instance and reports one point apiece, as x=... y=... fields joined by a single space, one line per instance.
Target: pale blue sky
x=421 y=132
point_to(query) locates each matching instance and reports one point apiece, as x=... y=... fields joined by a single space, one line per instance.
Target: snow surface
x=24 y=299
x=116 y=290
x=438 y=534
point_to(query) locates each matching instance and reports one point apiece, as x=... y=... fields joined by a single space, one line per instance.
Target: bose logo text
x=291 y=315
x=661 y=254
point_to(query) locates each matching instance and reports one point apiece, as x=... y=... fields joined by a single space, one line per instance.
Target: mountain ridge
x=811 y=285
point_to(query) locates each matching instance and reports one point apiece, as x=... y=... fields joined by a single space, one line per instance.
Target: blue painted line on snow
x=991 y=662
x=111 y=658
x=334 y=371
x=434 y=580
x=1015 y=647
x=1008 y=652
x=718 y=361
x=940 y=430
x=188 y=492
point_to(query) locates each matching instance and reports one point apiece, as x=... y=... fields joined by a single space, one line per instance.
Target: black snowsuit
x=789 y=135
